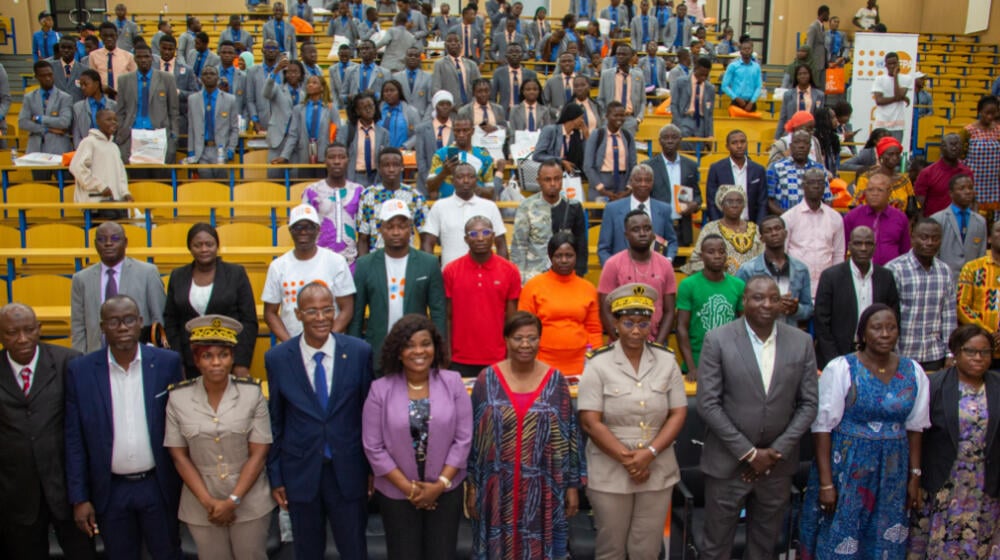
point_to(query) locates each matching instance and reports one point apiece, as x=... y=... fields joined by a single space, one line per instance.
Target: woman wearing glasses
x=632 y=406
x=961 y=460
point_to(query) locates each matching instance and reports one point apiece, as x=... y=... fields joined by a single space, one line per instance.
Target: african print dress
x=960 y=521
x=870 y=461
x=525 y=454
x=983 y=157
x=740 y=247
x=338 y=214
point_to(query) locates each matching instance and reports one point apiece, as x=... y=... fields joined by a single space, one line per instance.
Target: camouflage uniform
x=532 y=231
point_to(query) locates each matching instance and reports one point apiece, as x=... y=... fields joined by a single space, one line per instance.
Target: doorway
x=748 y=17
x=71 y=15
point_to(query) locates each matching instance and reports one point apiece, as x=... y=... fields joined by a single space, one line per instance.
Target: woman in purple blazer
x=417 y=432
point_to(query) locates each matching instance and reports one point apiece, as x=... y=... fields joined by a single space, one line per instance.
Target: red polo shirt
x=479 y=294
x=932 y=183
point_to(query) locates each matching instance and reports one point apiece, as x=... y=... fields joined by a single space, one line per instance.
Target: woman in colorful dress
x=890 y=153
x=982 y=154
x=525 y=468
x=336 y=200
x=866 y=476
x=961 y=478
x=742 y=241
x=398 y=117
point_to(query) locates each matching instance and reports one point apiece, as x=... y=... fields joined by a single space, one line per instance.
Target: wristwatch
x=235 y=499
x=916 y=472
x=446 y=481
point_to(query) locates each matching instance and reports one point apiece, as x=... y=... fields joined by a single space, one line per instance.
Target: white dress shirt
x=862 y=286
x=674 y=174
x=16 y=369
x=740 y=180
x=131 y=451
x=635 y=202
x=329 y=347
x=763 y=352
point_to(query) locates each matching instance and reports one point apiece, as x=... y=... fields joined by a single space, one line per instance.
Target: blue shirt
x=95 y=106
x=794 y=278
x=44 y=44
x=742 y=80
x=210 y=113
x=279 y=31
x=394 y=121
x=962 y=219
x=142 y=114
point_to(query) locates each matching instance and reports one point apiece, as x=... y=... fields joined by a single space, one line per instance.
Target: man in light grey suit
x=505 y=85
x=206 y=143
x=115 y=275
x=185 y=42
x=644 y=26
x=681 y=69
x=958 y=247
x=258 y=106
x=67 y=70
x=416 y=83
x=584 y=9
x=816 y=41
x=674 y=37
x=281 y=31
x=344 y=25
x=235 y=33
x=338 y=73
x=446 y=71
x=201 y=56
x=757 y=394
x=443 y=22
x=635 y=105
x=415 y=21
x=235 y=77
x=302 y=10
x=186 y=81
x=555 y=92
x=503 y=38
x=396 y=40
x=366 y=76
x=694 y=119
x=618 y=14
x=161 y=106
x=47 y=114
x=653 y=67
x=470 y=34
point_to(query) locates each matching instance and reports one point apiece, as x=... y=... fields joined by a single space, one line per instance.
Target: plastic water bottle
x=13 y=155
x=649 y=108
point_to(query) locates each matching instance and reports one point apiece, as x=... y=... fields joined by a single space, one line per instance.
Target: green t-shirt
x=712 y=304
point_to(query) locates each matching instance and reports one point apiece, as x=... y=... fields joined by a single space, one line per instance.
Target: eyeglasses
x=115 y=322
x=103 y=239
x=270 y=48
x=630 y=324
x=476 y=234
x=977 y=353
x=302 y=228
x=314 y=312
x=519 y=340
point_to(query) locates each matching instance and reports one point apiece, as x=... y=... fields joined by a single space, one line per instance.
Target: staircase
x=16 y=65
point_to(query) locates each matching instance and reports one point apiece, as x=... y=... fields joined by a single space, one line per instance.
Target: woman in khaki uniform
x=632 y=405
x=218 y=433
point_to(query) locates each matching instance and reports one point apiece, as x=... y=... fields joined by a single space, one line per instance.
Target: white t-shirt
x=866 y=17
x=395 y=277
x=894 y=115
x=447 y=218
x=287 y=275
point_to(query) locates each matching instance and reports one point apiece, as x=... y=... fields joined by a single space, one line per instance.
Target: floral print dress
x=960 y=521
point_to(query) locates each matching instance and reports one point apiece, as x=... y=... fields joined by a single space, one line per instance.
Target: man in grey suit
x=237 y=35
x=503 y=38
x=396 y=40
x=47 y=115
x=816 y=41
x=618 y=14
x=965 y=241
x=338 y=73
x=281 y=32
x=444 y=22
x=128 y=31
x=681 y=69
x=654 y=68
x=470 y=35
x=116 y=274
x=67 y=70
x=757 y=394
x=200 y=56
x=186 y=81
x=669 y=169
x=185 y=42
x=609 y=180
x=416 y=21
x=213 y=125
x=635 y=98
x=85 y=111
x=447 y=69
x=695 y=117
x=416 y=83
x=235 y=77
x=644 y=26
x=344 y=25
x=366 y=76
x=302 y=10
x=677 y=32
x=258 y=106
x=160 y=107
x=505 y=85
x=556 y=93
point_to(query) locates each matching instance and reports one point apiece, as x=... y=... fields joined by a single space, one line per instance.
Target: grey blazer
x=396 y=41
x=419 y=28
x=307 y=11
x=418 y=96
x=227 y=123
x=477 y=40
x=549 y=145
x=790 y=105
x=82 y=118
x=138 y=280
x=243 y=37
x=669 y=32
x=953 y=251
x=475 y=112
x=238 y=89
x=499 y=44
x=185 y=43
x=283 y=123
x=70 y=84
x=574 y=8
x=636 y=26
x=58 y=113
x=518 y=117
x=441 y=25
x=676 y=73
x=270 y=33
x=127 y=33
x=606 y=90
x=500 y=84
x=336 y=72
x=164 y=109
x=366 y=29
x=681 y=99
x=352 y=81
x=659 y=67
x=211 y=59
x=445 y=76
x=381 y=141
x=623 y=22
x=346 y=28
x=816 y=41
x=554 y=92
x=734 y=406
x=593 y=157
x=323 y=139
x=533 y=34
x=424 y=142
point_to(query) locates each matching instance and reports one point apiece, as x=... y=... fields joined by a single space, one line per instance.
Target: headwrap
x=796 y=62
x=570 y=111
x=247 y=58
x=442 y=95
x=724 y=190
x=886 y=143
x=798 y=119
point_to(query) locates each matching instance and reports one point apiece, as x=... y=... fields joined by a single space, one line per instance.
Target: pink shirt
x=658 y=273
x=121 y=62
x=815 y=237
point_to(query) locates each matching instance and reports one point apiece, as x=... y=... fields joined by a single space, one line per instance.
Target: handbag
x=835 y=82
x=154 y=335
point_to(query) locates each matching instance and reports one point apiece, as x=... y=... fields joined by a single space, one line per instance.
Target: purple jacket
x=386 y=436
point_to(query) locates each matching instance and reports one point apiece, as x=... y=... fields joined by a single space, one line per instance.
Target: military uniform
x=534 y=224
x=634 y=405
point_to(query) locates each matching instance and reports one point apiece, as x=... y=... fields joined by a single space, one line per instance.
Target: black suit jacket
x=231 y=296
x=721 y=173
x=837 y=308
x=32 y=448
x=940 y=446
x=663 y=190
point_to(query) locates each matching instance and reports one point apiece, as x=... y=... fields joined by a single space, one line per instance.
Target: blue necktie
x=302 y=10
x=314 y=120
x=614 y=153
x=531 y=120
x=200 y=63
x=963 y=223
x=679 y=40
x=69 y=70
x=279 y=30
x=365 y=75
x=461 y=82
x=486 y=116
x=468 y=47
x=294 y=92
x=645 y=29
x=625 y=91
x=697 y=105
x=143 y=102
x=322 y=392
x=95 y=106
x=614 y=15
x=368 y=149
x=45 y=100
x=210 y=116
x=568 y=89
x=802 y=100
x=412 y=75
x=517 y=87
x=440 y=138
x=343 y=65
x=111 y=70
x=653 y=69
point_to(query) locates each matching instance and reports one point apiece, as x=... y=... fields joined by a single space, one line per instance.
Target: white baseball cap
x=303 y=212
x=392 y=208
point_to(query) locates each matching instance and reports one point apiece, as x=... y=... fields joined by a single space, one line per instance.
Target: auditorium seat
x=53 y=236
x=215 y=196
x=170 y=235
x=35 y=193
x=257 y=191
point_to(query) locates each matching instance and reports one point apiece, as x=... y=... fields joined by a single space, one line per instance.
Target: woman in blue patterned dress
x=872 y=410
x=961 y=479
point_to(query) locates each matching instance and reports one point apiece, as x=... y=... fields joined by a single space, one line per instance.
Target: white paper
x=337 y=41
x=605 y=26
x=492 y=142
x=524 y=143
x=148 y=146
x=38 y=159
x=572 y=187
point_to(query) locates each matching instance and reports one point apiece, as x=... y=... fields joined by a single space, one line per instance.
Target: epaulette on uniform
x=247 y=380
x=595 y=351
x=182 y=384
x=659 y=345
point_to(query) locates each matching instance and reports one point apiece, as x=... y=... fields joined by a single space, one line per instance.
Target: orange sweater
x=571 y=321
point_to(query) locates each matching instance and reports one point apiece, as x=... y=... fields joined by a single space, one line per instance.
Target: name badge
x=163 y=94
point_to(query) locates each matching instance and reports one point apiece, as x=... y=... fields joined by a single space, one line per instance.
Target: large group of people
x=152 y=419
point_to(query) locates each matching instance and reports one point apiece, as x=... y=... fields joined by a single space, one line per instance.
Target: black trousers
x=31 y=542
x=468 y=370
x=418 y=534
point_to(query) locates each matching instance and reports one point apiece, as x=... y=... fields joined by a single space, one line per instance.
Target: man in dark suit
x=318 y=383
x=413 y=283
x=33 y=487
x=672 y=169
x=757 y=393
x=739 y=170
x=612 y=238
x=67 y=70
x=844 y=291
x=120 y=479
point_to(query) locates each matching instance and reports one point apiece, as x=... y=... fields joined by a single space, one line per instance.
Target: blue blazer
x=721 y=173
x=90 y=428
x=300 y=428
x=612 y=238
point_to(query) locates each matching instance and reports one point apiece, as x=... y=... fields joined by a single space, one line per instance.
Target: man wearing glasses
x=306 y=263
x=115 y=275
